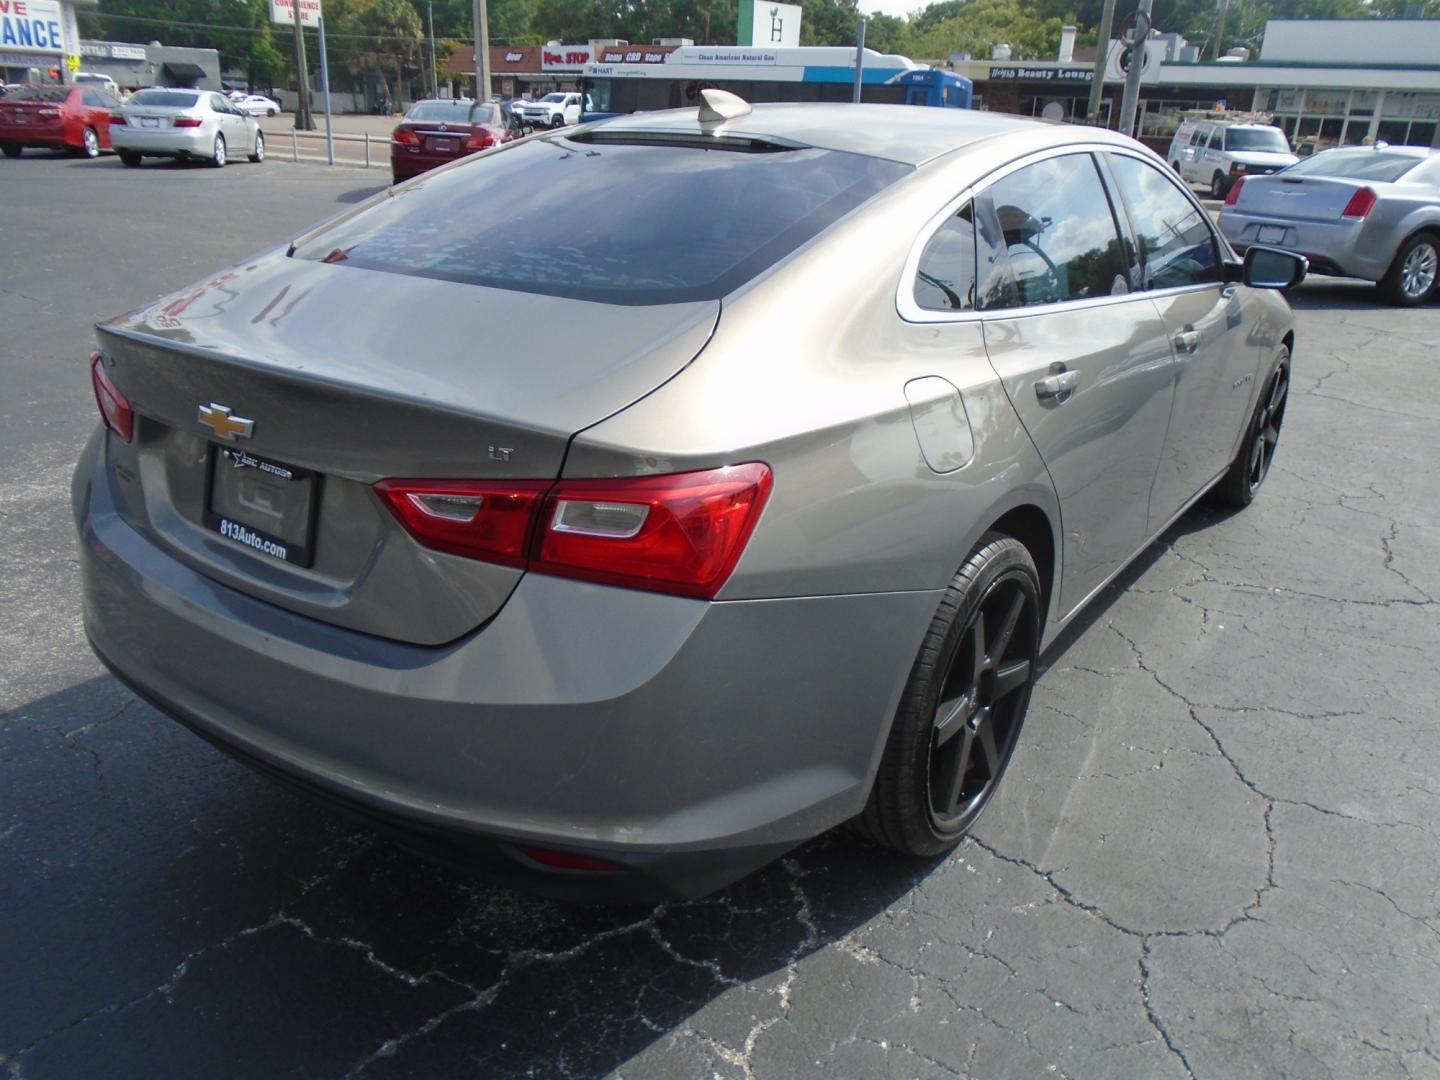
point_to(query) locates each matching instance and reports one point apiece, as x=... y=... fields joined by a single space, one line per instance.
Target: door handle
x=1056 y=385
x=1187 y=341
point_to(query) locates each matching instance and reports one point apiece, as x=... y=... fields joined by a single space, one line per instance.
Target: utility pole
x=430 y=27
x=1139 y=42
x=1102 y=50
x=303 y=120
x=859 y=60
x=1224 y=6
x=482 y=52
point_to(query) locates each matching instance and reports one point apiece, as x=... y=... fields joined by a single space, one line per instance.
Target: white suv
x=1216 y=153
x=553 y=110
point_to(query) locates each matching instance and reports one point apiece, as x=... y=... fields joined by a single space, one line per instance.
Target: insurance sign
x=32 y=26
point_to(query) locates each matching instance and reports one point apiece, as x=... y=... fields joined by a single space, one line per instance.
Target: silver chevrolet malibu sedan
x=191 y=124
x=615 y=510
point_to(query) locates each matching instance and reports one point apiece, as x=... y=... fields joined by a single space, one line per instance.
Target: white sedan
x=257 y=105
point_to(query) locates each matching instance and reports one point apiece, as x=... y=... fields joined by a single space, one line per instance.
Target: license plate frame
x=1270 y=234
x=228 y=471
x=150 y=121
x=442 y=146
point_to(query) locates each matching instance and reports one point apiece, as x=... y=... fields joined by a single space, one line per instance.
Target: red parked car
x=439 y=131
x=75 y=118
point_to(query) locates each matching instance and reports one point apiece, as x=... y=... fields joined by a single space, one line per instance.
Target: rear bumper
x=172 y=142
x=36 y=135
x=405 y=164
x=688 y=742
x=1339 y=248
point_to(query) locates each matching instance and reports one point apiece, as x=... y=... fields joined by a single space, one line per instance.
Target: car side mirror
x=1273 y=268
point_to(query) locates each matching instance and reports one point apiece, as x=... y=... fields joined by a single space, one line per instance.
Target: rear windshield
x=39 y=93
x=1259 y=140
x=457 y=112
x=1357 y=165
x=620 y=224
x=163 y=99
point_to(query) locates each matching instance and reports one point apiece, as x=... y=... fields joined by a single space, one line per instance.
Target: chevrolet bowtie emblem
x=219 y=420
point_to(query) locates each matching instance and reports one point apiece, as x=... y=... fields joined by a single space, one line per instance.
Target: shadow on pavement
x=360 y=194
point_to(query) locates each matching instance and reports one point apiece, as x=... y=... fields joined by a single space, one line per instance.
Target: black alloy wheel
x=982 y=703
x=1265 y=436
x=1240 y=485
x=960 y=717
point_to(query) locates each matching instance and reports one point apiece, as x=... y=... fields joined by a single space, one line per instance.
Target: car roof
x=909 y=134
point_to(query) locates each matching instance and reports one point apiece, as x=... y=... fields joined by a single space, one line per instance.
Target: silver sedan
x=622 y=543
x=1365 y=212
x=194 y=124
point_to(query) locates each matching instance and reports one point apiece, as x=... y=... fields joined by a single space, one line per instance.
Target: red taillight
x=406 y=137
x=464 y=517
x=569 y=860
x=116 y=120
x=187 y=121
x=680 y=533
x=479 y=140
x=118 y=415
x=1360 y=204
x=1234 y=192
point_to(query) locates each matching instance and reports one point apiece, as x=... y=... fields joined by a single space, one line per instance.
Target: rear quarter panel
x=807 y=372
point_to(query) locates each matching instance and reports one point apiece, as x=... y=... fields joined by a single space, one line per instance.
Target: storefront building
x=133 y=66
x=1326 y=82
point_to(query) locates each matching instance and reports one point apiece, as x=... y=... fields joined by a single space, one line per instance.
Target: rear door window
x=1058 y=232
x=609 y=221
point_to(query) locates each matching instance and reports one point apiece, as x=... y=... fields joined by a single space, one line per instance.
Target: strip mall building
x=1332 y=82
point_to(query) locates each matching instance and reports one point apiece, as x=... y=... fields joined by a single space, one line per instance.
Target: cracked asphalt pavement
x=1215 y=854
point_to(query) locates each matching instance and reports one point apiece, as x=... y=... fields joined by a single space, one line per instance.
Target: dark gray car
x=717 y=485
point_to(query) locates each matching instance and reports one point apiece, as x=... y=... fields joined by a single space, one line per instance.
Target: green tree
x=982 y=24
x=395 y=31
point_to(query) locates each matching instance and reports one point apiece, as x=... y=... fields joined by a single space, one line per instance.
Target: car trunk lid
x=341 y=377
x=1302 y=198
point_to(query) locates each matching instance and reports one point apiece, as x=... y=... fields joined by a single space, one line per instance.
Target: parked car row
x=185 y=124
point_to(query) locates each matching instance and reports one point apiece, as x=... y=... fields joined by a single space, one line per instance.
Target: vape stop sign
x=283 y=11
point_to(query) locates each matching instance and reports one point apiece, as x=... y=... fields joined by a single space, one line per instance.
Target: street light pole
x=482 y=52
x=859 y=60
x=1130 y=102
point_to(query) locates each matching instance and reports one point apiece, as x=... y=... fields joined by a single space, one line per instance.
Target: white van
x=100 y=82
x=1217 y=152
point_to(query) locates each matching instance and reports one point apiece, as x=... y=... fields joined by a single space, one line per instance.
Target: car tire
x=11 y=149
x=1239 y=486
x=259 y=155
x=1413 y=276
x=269 y=112
x=1175 y=165
x=557 y=121
x=960 y=715
x=218 y=157
x=130 y=158
x=1218 y=187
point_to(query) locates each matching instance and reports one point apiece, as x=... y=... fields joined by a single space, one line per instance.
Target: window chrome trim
x=911 y=312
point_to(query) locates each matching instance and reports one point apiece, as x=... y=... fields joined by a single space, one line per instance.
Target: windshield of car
x=1356 y=165
x=39 y=93
x=163 y=99
x=620 y=224
x=91 y=79
x=553 y=97
x=456 y=112
x=1262 y=140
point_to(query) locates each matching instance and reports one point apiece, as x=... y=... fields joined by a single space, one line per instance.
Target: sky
x=899 y=8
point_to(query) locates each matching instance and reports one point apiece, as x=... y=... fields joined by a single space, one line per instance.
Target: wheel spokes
x=1009 y=678
x=1007 y=629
